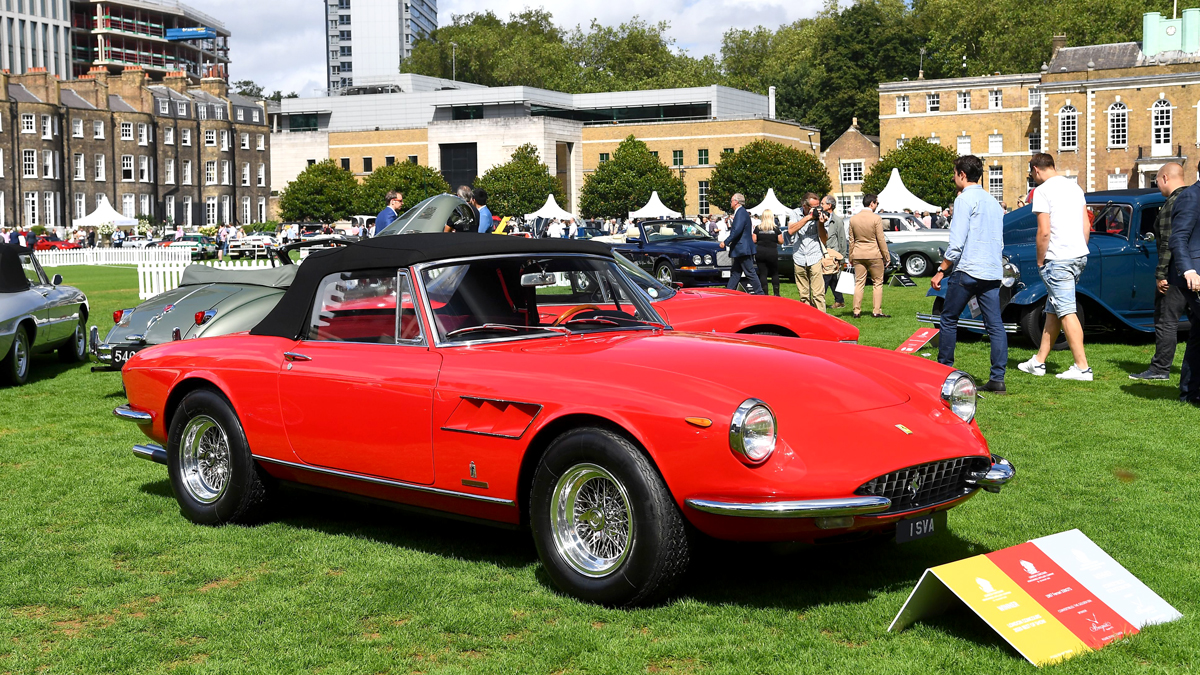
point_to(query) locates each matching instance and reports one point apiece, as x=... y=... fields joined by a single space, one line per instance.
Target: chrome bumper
x=151 y=452
x=98 y=352
x=973 y=324
x=809 y=508
x=1000 y=473
x=127 y=413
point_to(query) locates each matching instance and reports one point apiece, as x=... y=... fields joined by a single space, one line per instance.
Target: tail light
x=205 y=316
x=120 y=314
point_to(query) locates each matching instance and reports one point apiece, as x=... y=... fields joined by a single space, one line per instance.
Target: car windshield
x=533 y=296
x=674 y=230
x=1111 y=219
x=431 y=215
x=642 y=280
x=902 y=223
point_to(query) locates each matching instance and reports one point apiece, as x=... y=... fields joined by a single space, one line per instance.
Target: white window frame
x=31 y=209
x=29 y=163
x=852 y=171
x=181 y=108
x=210 y=172
x=995 y=99
x=47 y=164
x=1161 y=127
x=164 y=106
x=143 y=169
x=995 y=144
x=1118 y=125
x=246 y=214
x=902 y=106
x=262 y=174
x=210 y=138
x=227 y=209
x=219 y=112
x=169 y=208
x=169 y=179
x=1068 y=128
x=127 y=166
x=245 y=141
x=47 y=128
x=128 y=205
x=245 y=174
x=127 y=131
x=210 y=211
x=145 y=207
x=1035 y=142
x=933 y=102
x=241 y=114
x=77 y=127
x=28 y=123
x=187 y=211
x=187 y=172
x=80 y=205
x=262 y=142
x=224 y=140
x=963 y=142
x=98 y=130
x=996 y=182
x=80 y=171
x=964 y=100
x=1035 y=98
x=143 y=134
x=185 y=137
x=262 y=209
x=101 y=175
x=169 y=135
x=201 y=111
x=254 y=117
x=226 y=172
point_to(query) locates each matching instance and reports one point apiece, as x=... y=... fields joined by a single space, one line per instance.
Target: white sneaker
x=1033 y=367
x=1074 y=373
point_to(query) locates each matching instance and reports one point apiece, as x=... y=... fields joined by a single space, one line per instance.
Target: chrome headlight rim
x=697 y=260
x=708 y=259
x=1012 y=274
x=737 y=431
x=959 y=393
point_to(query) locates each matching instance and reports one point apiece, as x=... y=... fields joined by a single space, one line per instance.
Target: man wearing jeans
x=1170 y=301
x=1062 y=251
x=975 y=253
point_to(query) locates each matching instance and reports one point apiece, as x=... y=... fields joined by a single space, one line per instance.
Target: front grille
x=925 y=484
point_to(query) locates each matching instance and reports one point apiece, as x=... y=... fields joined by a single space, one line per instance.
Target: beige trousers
x=810 y=283
x=861 y=268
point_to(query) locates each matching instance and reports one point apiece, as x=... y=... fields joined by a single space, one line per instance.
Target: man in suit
x=869 y=255
x=395 y=202
x=1185 y=263
x=741 y=246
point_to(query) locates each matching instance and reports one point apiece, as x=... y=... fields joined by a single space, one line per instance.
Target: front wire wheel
x=592 y=523
x=204 y=459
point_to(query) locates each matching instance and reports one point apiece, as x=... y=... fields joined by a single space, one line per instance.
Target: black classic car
x=676 y=251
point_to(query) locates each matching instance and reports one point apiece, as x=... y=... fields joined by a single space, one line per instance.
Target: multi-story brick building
x=848 y=159
x=172 y=152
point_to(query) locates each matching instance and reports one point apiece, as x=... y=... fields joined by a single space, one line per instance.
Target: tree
x=324 y=192
x=417 y=183
x=248 y=88
x=520 y=185
x=927 y=170
x=625 y=182
x=763 y=165
x=279 y=95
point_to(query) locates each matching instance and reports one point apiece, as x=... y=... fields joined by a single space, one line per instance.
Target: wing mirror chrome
x=56 y=280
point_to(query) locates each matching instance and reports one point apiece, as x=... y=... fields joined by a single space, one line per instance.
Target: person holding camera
x=808 y=241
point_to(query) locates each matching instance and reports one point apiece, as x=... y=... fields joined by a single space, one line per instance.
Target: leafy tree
x=417 y=183
x=927 y=170
x=520 y=185
x=279 y=95
x=248 y=88
x=763 y=165
x=324 y=192
x=624 y=183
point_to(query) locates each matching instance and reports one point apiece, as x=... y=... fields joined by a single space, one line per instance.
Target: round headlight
x=696 y=260
x=752 y=432
x=1012 y=274
x=708 y=260
x=958 y=393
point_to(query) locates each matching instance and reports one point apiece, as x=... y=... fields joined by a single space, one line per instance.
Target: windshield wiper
x=504 y=327
x=591 y=319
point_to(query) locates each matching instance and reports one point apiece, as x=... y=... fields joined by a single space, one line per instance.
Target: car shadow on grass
x=44 y=367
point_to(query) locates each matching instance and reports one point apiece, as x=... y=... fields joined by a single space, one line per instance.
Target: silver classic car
x=37 y=314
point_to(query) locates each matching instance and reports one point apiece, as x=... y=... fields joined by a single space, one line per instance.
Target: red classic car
x=44 y=243
x=601 y=429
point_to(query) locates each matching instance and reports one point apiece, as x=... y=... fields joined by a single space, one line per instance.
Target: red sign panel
x=918 y=340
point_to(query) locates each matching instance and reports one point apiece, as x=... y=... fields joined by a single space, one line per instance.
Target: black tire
x=916 y=265
x=244 y=493
x=1032 y=322
x=15 y=367
x=75 y=349
x=655 y=552
x=664 y=273
x=765 y=332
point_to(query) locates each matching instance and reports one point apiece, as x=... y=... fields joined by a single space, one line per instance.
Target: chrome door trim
x=386 y=482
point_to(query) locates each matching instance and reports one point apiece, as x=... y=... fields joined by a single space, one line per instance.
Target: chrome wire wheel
x=80 y=340
x=21 y=354
x=204 y=459
x=590 y=520
x=665 y=276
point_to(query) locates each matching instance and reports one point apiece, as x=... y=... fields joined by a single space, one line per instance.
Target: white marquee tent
x=895 y=197
x=776 y=207
x=105 y=213
x=654 y=209
x=550 y=209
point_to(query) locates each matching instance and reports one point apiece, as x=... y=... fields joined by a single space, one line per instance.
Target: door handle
x=293 y=356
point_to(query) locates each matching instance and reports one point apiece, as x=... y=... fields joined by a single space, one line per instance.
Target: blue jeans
x=960 y=288
x=743 y=265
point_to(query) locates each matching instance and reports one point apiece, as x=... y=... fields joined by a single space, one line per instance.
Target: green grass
x=100 y=572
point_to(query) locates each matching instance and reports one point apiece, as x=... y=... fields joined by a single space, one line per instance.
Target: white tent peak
x=654 y=209
x=895 y=197
x=551 y=209
x=772 y=203
x=103 y=214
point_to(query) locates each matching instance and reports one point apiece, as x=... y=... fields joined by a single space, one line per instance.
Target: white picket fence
x=159 y=277
x=113 y=256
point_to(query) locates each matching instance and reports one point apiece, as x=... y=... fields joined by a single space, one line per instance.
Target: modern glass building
x=367 y=39
x=160 y=36
x=36 y=34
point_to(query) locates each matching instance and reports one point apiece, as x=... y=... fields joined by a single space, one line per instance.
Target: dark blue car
x=676 y=251
x=1117 y=288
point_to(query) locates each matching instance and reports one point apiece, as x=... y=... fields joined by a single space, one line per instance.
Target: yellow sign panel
x=1012 y=612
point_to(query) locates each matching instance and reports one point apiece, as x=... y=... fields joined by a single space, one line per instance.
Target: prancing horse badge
x=906 y=430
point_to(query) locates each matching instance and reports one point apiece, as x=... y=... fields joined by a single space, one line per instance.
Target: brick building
x=848 y=160
x=171 y=151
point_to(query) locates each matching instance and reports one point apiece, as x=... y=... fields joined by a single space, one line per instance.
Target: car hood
x=727 y=311
x=154 y=322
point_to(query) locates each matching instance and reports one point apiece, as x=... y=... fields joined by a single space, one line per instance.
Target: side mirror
x=633 y=240
x=1149 y=236
x=57 y=280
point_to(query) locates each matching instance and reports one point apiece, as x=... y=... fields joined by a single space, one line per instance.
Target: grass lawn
x=102 y=574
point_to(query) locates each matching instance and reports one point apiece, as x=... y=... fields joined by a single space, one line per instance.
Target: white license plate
x=725 y=274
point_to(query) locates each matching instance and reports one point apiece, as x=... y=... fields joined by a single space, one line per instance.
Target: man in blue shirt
x=976 y=254
x=479 y=199
x=395 y=202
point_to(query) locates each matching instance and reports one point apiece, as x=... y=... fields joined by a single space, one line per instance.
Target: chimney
x=853 y=122
x=214 y=84
x=39 y=83
x=177 y=80
x=129 y=85
x=771 y=102
x=93 y=88
x=1057 y=43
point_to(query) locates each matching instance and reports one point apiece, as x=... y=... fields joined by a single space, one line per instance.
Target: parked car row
x=37 y=314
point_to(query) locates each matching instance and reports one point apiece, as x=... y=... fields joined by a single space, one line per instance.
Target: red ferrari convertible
x=44 y=243
x=528 y=382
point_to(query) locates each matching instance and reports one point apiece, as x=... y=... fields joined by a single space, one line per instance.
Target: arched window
x=1118 y=125
x=1160 y=127
x=1068 y=128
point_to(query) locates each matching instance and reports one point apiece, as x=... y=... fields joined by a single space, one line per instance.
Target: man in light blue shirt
x=976 y=255
x=479 y=198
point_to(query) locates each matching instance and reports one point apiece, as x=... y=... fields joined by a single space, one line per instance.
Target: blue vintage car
x=676 y=251
x=1117 y=289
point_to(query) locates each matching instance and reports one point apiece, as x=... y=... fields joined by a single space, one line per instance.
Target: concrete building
x=463 y=130
x=173 y=152
x=366 y=41
x=160 y=37
x=36 y=35
x=848 y=159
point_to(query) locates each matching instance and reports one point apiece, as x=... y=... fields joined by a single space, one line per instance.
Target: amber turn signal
x=702 y=422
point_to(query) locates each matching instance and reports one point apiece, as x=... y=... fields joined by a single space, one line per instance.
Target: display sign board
x=902 y=280
x=1050 y=598
x=919 y=339
x=195 y=33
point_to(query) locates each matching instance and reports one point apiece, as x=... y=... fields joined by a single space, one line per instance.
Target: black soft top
x=289 y=318
x=12 y=277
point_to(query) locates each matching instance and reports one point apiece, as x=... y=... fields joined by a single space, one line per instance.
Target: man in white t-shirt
x=1062 y=250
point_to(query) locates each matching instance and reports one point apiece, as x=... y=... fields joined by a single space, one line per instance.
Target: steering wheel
x=570 y=313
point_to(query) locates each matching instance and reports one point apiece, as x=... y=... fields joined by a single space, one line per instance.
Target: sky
x=285 y=49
